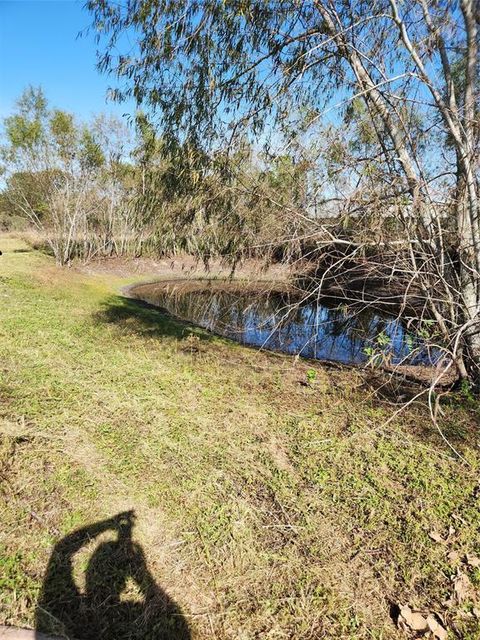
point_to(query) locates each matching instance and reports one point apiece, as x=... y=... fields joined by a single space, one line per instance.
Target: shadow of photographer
x=102 y=611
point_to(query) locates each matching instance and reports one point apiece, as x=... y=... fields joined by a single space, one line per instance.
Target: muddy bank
x=182 y=266
x=176 y=286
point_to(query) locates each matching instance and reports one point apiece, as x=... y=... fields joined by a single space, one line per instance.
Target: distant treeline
x=102 y=188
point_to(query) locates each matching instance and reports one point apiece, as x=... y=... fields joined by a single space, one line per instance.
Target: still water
x=325 y=331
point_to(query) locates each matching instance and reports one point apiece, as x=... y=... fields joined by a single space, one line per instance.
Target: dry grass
x=265 y=507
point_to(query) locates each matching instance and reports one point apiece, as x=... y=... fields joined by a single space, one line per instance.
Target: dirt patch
x=181 y=266
x=426 y=375
x=147 y=290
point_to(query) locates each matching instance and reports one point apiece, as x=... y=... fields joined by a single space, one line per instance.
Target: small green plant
x=426 y=331
x=382 y=339
x=374 y=356
x=377 y=353
x=409 y=341
x=466 y=390
x=311 y=376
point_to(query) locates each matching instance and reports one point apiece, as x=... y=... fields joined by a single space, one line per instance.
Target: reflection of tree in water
x=102 y=612
x=276 y=321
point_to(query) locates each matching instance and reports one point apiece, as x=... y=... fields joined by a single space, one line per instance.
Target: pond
x=278 y=321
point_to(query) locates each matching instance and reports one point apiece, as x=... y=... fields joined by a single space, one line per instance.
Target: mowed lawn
x=265 y=506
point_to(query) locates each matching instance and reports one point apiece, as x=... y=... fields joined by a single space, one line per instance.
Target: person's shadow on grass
x=103 y=612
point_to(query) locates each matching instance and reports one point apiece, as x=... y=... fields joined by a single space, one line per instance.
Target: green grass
x=265 y=507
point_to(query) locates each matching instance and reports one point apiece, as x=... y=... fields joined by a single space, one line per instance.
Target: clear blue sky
x=39 y=46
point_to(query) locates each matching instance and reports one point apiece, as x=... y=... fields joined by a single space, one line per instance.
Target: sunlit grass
x=265 y=507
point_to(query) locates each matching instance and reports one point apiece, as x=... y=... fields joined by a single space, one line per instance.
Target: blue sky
x=39 y=46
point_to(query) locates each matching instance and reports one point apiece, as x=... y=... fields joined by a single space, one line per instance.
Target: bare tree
x=70 y=180
x=50 y=163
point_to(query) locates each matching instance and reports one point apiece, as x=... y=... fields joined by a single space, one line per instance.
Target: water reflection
x=275 y=321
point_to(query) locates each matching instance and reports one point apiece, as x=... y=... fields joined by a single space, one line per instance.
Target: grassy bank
x=265 y=507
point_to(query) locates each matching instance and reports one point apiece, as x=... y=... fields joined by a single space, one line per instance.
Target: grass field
x=265 y=507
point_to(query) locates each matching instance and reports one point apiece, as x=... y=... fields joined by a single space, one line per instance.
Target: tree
x=214 y=70
x=68 y=179
x=49 y=161
x=115 y=220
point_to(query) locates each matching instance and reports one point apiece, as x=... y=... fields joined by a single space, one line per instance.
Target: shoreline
x=422 y=375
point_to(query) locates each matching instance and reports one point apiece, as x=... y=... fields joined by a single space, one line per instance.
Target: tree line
x=107 y=188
